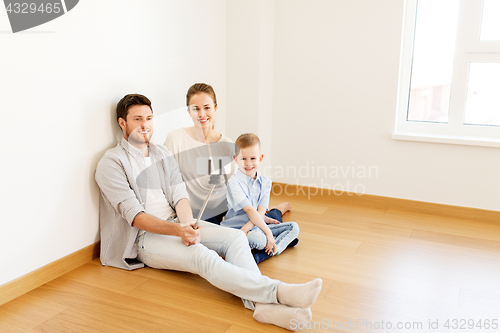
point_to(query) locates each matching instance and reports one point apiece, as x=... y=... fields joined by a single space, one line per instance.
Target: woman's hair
x=201 y=88
x=130 y=100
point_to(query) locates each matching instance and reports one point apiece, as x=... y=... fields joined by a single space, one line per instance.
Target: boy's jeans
x=284 y=233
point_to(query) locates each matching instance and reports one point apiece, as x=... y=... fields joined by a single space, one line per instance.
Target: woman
x=193 y=148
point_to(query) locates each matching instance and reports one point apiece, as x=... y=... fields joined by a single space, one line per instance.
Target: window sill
x=448 y=139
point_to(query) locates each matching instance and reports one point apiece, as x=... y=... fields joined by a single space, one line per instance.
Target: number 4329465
x=463 y=324
x=31 y=8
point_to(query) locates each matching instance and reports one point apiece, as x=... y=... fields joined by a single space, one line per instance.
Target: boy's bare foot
x=282 y=207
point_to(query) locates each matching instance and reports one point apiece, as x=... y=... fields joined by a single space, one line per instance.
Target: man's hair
x=130 y=100
x=246 y=140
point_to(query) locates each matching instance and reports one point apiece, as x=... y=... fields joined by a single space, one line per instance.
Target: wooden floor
x=381 y=265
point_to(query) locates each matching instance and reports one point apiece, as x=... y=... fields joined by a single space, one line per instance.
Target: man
x=145 y=218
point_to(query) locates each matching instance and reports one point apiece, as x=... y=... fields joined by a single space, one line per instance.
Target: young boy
x=248 y=199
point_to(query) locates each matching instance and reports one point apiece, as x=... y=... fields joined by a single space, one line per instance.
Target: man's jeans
x=238 y=274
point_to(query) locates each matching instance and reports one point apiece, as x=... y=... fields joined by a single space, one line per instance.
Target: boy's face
x=248 y=160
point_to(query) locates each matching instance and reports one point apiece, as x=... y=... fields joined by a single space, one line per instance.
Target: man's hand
x=271 y=245
x=270 y=220
x=183 y=211
x=189 y=235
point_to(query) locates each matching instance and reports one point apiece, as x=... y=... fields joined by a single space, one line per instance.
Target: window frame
x=468 y=49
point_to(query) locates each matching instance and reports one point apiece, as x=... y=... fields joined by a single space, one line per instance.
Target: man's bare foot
x=282 y=207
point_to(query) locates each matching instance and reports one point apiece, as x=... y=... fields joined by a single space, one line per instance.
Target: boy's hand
x=270 y=220
x=247 y=227
x=271 y=245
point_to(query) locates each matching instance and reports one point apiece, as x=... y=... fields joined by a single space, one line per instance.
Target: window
x=449 y=87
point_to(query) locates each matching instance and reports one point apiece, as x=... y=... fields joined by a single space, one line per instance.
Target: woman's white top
x=193 y=158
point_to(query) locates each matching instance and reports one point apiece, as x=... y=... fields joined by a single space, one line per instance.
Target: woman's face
x=201 y=109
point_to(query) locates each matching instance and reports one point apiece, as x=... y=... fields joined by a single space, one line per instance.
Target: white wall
x=335 y=80
x=331 y=65
x=249 y=71
x=335 y=89
x=59 y=85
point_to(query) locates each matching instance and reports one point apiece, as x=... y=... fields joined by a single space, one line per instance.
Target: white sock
x=282 y=315
x=299 y=295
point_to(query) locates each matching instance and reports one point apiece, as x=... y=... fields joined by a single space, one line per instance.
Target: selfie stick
x=214 y=180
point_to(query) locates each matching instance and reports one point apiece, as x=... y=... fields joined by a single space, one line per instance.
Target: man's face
x=138 y=127
x=248 y=160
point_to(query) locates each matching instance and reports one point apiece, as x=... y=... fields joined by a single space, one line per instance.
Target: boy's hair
x=246 y=140
x=130 y=100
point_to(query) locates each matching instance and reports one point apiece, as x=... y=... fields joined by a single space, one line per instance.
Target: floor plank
x=27 y=312
x=378 y=264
